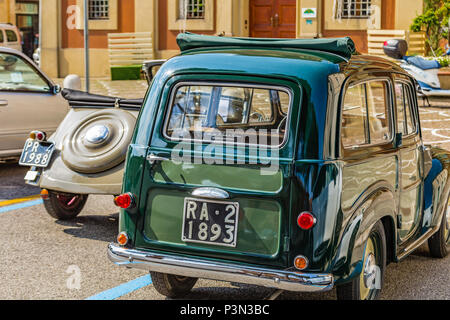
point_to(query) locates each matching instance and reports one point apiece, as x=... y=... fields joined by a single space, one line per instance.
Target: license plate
x=36 y=154
x=211 y=222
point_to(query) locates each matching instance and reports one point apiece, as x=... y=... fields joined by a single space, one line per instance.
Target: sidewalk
x=131 y=89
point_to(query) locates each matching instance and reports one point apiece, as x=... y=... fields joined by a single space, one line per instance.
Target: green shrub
x=132 y=72
x=434 y=21
x=443 y=61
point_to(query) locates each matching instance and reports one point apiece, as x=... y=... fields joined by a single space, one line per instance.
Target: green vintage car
x=292 y=164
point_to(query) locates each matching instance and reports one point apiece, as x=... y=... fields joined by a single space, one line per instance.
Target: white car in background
x=37 y=57
x=10 y=37
x=29 y=100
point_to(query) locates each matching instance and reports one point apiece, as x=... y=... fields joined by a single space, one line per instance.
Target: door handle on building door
x=277 y=20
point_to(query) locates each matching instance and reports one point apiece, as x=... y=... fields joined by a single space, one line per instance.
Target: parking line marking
x=123 y=289
x=14 y=201
x=21 y=205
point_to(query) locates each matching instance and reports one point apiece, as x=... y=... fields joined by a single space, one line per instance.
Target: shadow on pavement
x=12 y=185
x=100 y=228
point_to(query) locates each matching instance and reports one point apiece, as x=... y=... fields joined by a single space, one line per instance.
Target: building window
x=191 y=15
x=98 y=10
x=192 y=9
x=354 y=9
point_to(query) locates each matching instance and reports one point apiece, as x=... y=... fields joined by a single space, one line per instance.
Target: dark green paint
x=313 y=167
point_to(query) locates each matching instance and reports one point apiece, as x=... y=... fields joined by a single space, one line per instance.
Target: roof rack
x=341 y=46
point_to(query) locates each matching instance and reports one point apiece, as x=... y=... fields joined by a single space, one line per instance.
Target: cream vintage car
x=29 y=100
x=87 y=152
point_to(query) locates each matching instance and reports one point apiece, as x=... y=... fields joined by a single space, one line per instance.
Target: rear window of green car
x=258 y=114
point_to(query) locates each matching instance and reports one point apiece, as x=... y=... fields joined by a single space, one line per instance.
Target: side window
x=405 y=120
x=11 y=36
x=354 y=116
x=1 y=36
x=17 y=75
x=365 y=115
x=378 y=110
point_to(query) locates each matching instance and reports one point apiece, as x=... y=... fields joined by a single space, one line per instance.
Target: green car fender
x=437 y=187
x=376 y=204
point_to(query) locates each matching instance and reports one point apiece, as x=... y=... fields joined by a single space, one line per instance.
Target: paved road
x=46 y=259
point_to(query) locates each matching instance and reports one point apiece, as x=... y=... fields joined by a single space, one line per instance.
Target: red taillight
x=124 y=201
x=40 y=136
x=306 y=220
x=385 y=43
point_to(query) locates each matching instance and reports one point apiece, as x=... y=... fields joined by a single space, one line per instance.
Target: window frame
x=10 y=31
x=368 y=16
x=203 y=12
x=111 y=23
x=176 y=86
x=408 y=87
x=390 y=104
x=108 y=11
x=174 y=22
x=36 y=71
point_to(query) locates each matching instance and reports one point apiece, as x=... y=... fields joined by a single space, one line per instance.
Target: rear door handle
x=3 y=103
x=152 y=158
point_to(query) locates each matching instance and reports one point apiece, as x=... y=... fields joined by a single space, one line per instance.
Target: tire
x=374 y=266
x=440 y=241
x=112 y=130
x=172 y=286
x=64 y=206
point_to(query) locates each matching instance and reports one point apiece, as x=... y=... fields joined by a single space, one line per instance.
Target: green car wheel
x=172 y=286
x=440 y=241
x=64 y=206
x=368 y=285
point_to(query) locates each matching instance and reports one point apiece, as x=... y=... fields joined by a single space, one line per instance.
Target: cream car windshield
x=17 y=75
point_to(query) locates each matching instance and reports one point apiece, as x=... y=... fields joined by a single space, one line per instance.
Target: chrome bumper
x=272 y=278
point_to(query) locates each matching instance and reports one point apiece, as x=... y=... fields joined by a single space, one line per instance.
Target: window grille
x=355 y=9
x=98 y=10
x=192 y=9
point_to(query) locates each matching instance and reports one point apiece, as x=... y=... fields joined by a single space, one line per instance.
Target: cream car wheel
x=64 y=206
x=98 y=142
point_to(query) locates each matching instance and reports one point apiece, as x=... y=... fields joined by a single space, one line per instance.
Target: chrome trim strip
x=190 y=267
x=416 y=244
x=211 y=193
x=152 y=158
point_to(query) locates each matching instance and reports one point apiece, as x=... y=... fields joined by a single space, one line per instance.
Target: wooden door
x=272 y=18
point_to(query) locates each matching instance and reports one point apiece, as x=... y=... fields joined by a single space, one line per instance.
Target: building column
x=309 y=27
x=224 y=17
x=405 y=12
x=3 y=11
x=49 y=37
x=146 y=18
x=7 y=11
